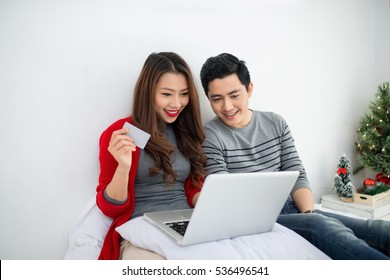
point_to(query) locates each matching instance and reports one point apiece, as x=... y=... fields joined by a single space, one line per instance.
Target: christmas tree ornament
x=342 y=184
x=383 y=178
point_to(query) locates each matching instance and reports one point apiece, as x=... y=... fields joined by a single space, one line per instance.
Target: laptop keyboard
x=180 y=227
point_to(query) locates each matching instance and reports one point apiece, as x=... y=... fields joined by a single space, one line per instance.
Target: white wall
x=67 y=70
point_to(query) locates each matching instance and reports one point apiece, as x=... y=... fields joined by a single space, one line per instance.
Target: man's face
x=229 y=100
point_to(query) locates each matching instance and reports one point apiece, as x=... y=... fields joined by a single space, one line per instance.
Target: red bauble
x=368 y=182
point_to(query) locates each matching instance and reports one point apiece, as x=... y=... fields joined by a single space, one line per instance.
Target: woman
x=168 y=173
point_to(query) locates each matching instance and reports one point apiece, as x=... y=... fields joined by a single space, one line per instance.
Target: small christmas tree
x=373 y=144
x=342 y=184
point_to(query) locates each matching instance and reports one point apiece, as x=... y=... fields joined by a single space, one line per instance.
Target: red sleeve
x=190 y=190
x=108 y=165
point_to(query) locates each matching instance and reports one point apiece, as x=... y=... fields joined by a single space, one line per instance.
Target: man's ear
x=250 y=89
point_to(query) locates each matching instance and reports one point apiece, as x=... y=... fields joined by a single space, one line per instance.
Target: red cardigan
x=120 y=213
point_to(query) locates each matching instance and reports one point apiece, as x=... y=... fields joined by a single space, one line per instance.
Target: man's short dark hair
x=221 y=66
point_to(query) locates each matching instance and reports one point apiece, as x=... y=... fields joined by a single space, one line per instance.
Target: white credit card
x=139 y=136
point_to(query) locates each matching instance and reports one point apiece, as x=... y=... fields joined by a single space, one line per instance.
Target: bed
x=88 y=231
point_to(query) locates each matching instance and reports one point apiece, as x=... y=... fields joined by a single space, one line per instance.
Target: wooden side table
x=379 y=211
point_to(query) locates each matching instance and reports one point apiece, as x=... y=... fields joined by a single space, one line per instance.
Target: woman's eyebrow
x=170 y=89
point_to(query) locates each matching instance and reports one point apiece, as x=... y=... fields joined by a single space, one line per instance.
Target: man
x=242 y=140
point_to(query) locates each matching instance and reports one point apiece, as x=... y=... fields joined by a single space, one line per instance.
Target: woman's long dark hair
x=188 y=126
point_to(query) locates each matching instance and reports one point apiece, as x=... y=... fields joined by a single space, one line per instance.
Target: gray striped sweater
x=265 y=144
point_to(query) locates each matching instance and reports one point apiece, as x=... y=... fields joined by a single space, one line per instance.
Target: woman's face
x=171 y=96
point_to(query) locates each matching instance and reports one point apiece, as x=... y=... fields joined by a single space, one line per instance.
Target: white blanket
x=88 y=232
x=279 y=244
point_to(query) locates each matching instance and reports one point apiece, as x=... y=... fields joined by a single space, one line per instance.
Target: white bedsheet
x=88 y=232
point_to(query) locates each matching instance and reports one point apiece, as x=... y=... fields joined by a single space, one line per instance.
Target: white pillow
x=279 y=244
x=87 y=233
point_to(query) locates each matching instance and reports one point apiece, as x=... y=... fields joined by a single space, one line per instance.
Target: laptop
x=229 y=205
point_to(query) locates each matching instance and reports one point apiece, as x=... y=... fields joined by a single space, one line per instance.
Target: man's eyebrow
x=234 y=91
x=213 y=95
x=229 y=93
